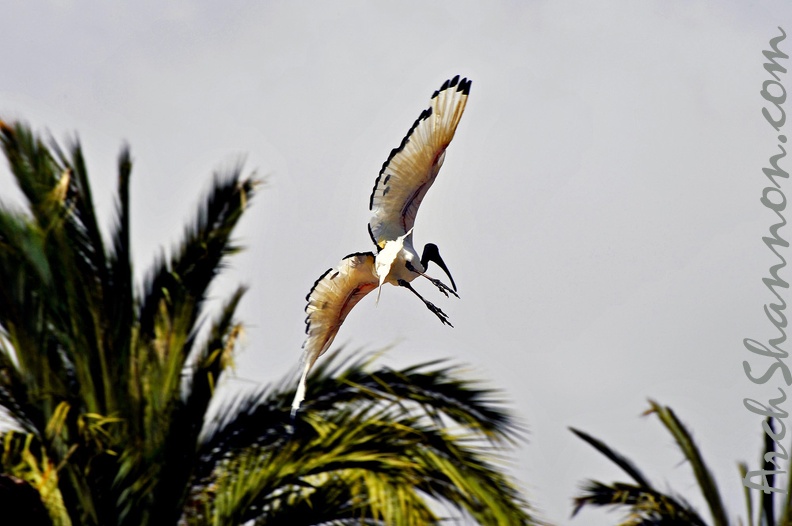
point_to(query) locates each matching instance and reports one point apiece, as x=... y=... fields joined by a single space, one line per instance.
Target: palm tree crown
x=108 y=383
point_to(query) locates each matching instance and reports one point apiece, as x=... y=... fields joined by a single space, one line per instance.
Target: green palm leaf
x=617 y=458
x=647 y=506
x=703 y=475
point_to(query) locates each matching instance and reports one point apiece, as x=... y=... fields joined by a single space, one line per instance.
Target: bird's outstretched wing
x=412 y=167
x=330 y=300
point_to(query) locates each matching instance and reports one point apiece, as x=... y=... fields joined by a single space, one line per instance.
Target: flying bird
x=402 y=184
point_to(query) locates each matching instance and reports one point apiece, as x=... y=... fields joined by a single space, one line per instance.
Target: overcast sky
x=598 y=208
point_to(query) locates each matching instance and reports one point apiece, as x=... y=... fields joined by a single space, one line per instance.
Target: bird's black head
x=432 y=253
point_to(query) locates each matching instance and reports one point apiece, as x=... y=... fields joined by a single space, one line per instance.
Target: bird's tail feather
x=299 y=396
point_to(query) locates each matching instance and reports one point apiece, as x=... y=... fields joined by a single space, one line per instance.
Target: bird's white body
x=394 y=261
x=401 y=186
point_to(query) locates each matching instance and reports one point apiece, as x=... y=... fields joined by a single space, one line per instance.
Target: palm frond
x=441 y=391
x=388 y=460
x=380 y=438
x=358 y=478
x=743 y=468
x=180 y=285
x=33 y=166
x=15 y=396
x=84 y=234
x=646 y=506
x=343 y=503
x=617 y=458
x=703 y=475
x=766 y=504
x=63 y=278
x=176 y=463
x=437 y=392
x=119 y=297
x=24 y=462
x=213 y=359
x=46 y=295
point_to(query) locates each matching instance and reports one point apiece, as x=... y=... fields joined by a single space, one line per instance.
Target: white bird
x=400 y=187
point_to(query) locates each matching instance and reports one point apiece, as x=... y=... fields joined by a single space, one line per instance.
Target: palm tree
x=107 y=383
x=648 y=506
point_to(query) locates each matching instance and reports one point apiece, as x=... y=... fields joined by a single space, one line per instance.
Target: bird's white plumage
x=390 y=262
x=412 y=167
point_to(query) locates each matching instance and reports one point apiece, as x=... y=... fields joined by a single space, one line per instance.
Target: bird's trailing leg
x=429 y=305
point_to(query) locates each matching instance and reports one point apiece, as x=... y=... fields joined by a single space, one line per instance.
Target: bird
x=399 y=189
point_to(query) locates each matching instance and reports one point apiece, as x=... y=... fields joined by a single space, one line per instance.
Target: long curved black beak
x=431 y=253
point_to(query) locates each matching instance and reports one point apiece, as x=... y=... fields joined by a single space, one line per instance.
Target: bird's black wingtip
x=462 y=85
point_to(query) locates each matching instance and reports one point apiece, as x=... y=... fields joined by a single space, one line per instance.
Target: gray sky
x=599 y=207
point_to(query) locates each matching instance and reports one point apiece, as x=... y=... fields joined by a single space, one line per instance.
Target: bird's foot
x=445 y=289
x=439 y=313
